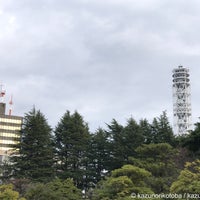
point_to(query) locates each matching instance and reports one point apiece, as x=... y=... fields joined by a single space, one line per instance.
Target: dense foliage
x=117 y=162
x=54 y=190
x=159 y=159
x=188 y=180
x=35 y=157
x=122 y=183
x=7 y=193
x=71 y=147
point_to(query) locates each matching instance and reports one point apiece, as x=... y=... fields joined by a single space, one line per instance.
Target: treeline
x=70 y=162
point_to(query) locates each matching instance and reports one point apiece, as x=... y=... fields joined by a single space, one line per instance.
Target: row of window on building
x=10 y=127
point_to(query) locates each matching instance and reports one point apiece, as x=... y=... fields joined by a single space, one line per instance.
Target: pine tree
x=161 y=131
x=192 y=140
x=188 y=182
x=123 y=184
x=115 y=138
x=165 y=130
x=123 y=142
x=71 y=142
x=54 y=190
x=99 y=155
x=146 y=131
x=35 y=156
x=132 y=138
x=159 y=159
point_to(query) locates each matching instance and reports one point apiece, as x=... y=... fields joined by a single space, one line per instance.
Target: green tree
x=115 y=144
x=161 y=131
x=188 y=180
x=54 y=190
x=34 y=159
x=71 y=143
x=192 y=140
x=159 y=160
x=123 y=142
x=99 y=155
x=146 y=131
x=132 y=138
x=122 y=183
x=7 y=193
x=5 y=171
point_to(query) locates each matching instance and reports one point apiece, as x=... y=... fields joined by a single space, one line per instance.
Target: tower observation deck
x=181 y=101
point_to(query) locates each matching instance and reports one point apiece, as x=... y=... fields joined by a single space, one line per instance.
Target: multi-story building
x=10 y=127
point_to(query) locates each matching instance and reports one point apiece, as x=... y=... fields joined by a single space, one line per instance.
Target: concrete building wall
x=10 y=127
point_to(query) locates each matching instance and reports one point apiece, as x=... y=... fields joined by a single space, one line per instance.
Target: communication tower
x=181 y=101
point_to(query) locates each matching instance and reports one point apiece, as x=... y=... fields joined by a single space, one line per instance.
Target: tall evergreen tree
x=35 y=156
x=115 y=134
x=154 y=131
x=146 y=131
x=192 y=140
x=132 y=138
x=99 y=154
x=161 y=131
x=71 y=142
x=123 y=142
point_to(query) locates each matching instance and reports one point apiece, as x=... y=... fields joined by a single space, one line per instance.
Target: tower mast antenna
x=2 y=93
x=11 y=104
x=181 y=100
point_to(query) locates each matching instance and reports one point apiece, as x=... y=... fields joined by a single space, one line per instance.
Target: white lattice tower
x=181 y=101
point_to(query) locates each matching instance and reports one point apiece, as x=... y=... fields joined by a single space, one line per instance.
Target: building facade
x=10 y=127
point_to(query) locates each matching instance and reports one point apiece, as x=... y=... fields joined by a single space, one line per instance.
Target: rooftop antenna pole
x=10 y=103
x=2 y=93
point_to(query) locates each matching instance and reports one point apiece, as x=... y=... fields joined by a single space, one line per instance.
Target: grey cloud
x=106 y=59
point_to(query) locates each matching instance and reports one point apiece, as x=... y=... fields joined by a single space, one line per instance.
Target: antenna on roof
x=10 y=103
x=2 y=93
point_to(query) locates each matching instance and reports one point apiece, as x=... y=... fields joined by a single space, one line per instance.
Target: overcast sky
x=104 y=58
